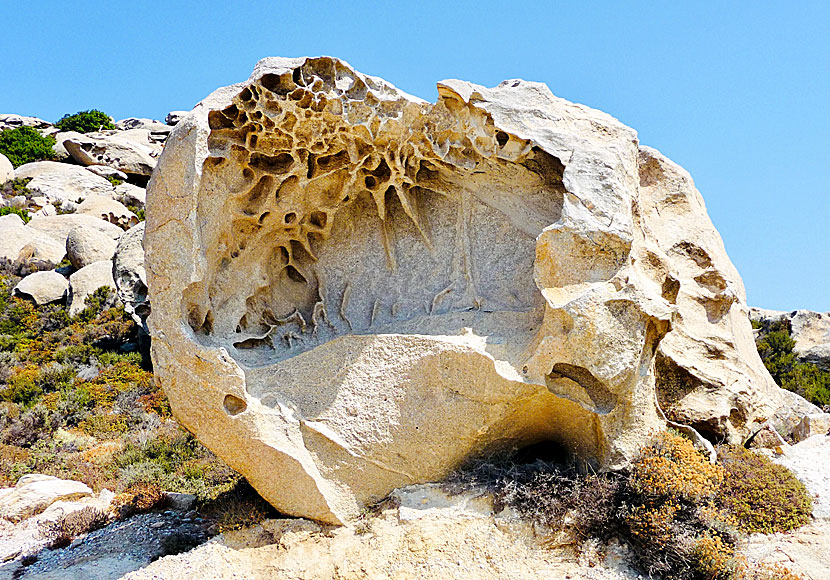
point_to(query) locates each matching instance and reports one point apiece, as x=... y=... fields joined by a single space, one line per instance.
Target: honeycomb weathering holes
x=395 y=216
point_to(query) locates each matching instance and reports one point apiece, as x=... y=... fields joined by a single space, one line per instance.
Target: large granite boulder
x=84 y=282
x=131 y=151
x=61 y=182
x=58 y=227
x=6 y=169
x=355 y=290
x=86 y=245
x=34 y=493
x=19 y=243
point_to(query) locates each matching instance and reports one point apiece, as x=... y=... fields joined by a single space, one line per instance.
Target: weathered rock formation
x=810 y=331
x=356 y=290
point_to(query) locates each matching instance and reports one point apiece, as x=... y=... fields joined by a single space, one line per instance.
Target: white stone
x=6 y=169
x=130 y=151
x=813 y=424
x=63 y=182
x=86 y=245
x=107 y=209
x=355 y=290
x=130 y=276
x=58 y=227
x=34 y=493
x=20 y=242
x=42 y=287
x=130 y=194
x=86 y=281
x=8 y=121
x=105 y=172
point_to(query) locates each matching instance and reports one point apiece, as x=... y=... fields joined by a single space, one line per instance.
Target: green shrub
x=24 y=145
x=85 y=121
x=24 y=215
x=763 y=496
x=776 y=348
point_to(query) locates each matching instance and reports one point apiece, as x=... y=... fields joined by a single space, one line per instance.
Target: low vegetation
x=78 y=401
x=682 y=517
x=85 y=121
x=776 y=347
x=25 y=145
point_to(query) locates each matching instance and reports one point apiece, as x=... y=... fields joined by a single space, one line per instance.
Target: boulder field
x=355 y=290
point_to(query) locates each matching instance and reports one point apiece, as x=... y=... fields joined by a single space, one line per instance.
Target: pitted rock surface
x=355 y=290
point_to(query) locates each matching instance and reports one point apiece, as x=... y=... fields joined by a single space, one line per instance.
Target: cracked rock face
x=355 y=290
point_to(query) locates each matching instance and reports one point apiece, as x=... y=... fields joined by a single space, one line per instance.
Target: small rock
x=106 y=172
x=173 y=117
x=86 y=281
x=42 y=287
x=180 y=501
x=813 y=424
x=85 y=246
x=33 y=493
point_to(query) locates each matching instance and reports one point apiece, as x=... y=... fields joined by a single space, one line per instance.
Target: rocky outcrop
x=130 y=276
x=356 y=290
x=109 y=210
x=84 y=282
x=42 y=287
x=8 y=121
x=19 y=242
x=34 y=493
x=61 y=182
x=810 y=331
x=130 y=151
x=86 y=245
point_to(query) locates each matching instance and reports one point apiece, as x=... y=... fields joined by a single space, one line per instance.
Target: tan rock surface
x=34 y=493
x=355 y=290
x=61 y=182
x=19 y=242
x=109 y=210
x=437 y=538
x=131 y=151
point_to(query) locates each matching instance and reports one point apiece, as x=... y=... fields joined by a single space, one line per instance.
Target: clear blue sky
x=736 y=92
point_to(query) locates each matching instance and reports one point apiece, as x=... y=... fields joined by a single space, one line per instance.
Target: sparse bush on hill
x=775 y=345
x=24 y=145
x=85 y=121
x=78 y=400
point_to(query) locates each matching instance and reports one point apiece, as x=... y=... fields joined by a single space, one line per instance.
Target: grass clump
x=763 y=496
x=61 y=532
x=24 y=145
x=85 y=121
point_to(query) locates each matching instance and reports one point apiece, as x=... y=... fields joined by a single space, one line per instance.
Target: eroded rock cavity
x=355 y=290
